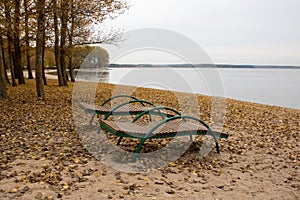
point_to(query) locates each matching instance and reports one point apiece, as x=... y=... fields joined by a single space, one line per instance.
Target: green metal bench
x=120 y=109
x=168 y=127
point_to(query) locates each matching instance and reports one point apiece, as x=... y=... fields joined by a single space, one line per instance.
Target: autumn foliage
x=57 y=24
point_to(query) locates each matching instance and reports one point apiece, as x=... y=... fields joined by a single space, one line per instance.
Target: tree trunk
x=39 y=48
x=17 y=57
x=56 y=45
x=30 y=76
x=63 y=37
x=71 y=67
x=4 y=60
x=3 y=86
x=10 y=61
x=9 y=41
x=43 y=60
x=14 y=62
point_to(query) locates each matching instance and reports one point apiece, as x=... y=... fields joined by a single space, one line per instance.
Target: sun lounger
x=168 y=127
x=125 y=108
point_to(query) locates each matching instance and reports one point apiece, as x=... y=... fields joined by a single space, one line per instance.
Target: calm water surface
x=267 y=86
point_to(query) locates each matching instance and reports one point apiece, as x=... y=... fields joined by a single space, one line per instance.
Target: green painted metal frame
x=149 y=112
x=150 y=135
x=209 y=132
x=119 y=96
x=110 y=99
x=126 y=103
x=157 y=108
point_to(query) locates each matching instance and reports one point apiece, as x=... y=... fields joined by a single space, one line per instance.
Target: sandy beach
x=43 y=157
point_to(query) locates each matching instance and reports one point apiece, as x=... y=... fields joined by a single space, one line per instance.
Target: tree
x=17 y=48
x=3 y=86
x=63 y=39
x=39 y=48
x=87 y=17
x=56 y=43
x=70 y=47
x=27 y=40
x=8 y=21
x=43 y=58
x=69 y=23
x=97 y=58
x=80 y=54
x=77 y=18
x=2 y=32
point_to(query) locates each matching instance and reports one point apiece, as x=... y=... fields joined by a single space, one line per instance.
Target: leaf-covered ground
x=42 y=156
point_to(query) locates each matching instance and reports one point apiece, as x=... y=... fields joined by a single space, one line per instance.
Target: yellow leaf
x=76 y=160
x=13 y=190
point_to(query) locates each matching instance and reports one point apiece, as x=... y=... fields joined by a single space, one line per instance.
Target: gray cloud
x=268 y=27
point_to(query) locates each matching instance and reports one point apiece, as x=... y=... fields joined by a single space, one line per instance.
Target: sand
x=43 y=157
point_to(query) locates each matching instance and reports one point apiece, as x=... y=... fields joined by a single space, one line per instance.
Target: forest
x=36 y=34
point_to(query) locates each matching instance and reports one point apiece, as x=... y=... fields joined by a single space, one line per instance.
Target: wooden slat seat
x=168 y=128
x=102 y=110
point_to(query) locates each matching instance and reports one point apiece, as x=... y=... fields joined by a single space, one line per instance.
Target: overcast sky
x=230 y=31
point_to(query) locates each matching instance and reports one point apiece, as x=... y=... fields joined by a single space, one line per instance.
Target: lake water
x=279 y=87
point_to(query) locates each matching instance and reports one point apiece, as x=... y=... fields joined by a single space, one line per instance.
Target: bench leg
x=191 y=138
x=138 y=149
x=216 y=141
x=119 y=141
x=217 y=146
x=99 y=129
x=91 y=122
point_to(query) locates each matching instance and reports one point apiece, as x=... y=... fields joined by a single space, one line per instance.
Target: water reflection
x=93 y=75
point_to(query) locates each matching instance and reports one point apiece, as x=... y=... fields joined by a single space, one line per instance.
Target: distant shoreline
x=202 y=66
